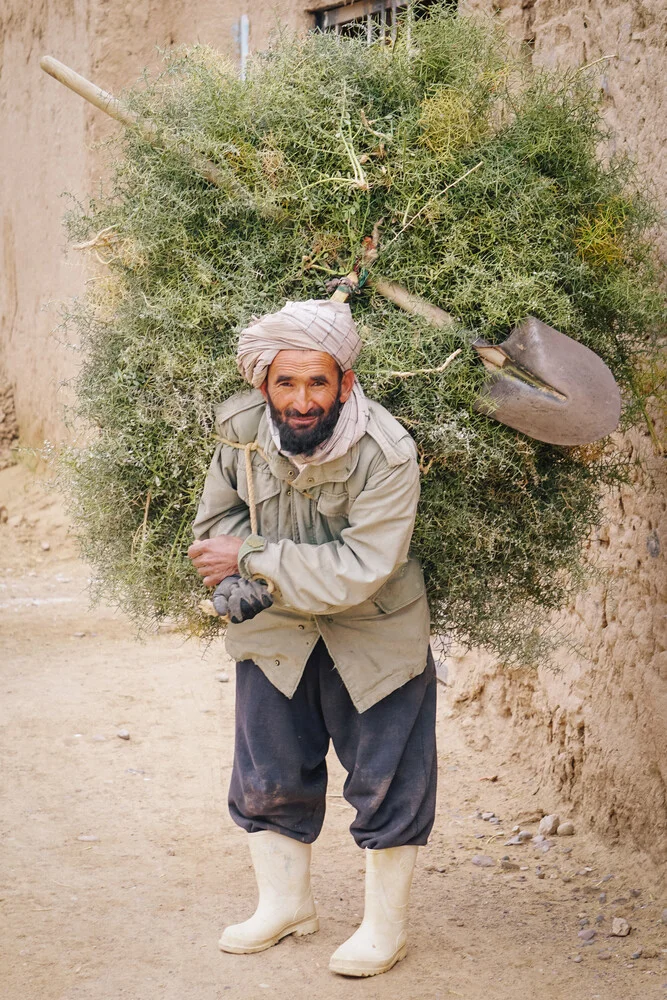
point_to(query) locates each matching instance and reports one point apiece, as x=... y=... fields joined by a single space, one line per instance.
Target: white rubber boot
x=286 y=906
x=381 y=940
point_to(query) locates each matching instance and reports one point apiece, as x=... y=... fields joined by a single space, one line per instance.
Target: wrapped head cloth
x=315 y=325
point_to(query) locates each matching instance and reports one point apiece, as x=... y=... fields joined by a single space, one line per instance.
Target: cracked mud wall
x=40 y=138
x=594 y=723
x=629 y=38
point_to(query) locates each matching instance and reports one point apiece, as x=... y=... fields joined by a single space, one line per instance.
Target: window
x=374 y=20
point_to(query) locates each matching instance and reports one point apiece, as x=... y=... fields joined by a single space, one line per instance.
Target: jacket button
x=289 y=493
x=302 y=627
x=277 y=663
x=330 y=620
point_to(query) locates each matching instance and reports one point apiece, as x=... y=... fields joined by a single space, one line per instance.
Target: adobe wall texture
x=593 y=721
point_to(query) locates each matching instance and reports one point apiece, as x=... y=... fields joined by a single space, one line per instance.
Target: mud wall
x=594 y=721
x=49 y=138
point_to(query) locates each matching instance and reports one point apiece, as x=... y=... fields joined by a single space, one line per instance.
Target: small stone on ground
x=620 y=927
x=549 y=825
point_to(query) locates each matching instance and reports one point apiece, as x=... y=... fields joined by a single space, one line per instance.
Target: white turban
x=315 y=325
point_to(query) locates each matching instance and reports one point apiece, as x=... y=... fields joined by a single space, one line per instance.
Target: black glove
x=241 y=599
x=247 y=599
x=221 y=594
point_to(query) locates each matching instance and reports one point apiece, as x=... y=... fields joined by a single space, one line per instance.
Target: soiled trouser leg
x=389 y=752
x=279 y=775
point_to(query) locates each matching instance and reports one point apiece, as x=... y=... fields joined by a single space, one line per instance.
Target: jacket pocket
x=401 y=589
x=333 y=504
x=266 y=485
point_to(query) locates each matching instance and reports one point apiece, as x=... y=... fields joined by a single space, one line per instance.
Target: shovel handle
x=405 y=300
x=400 y=296
x=116 y=109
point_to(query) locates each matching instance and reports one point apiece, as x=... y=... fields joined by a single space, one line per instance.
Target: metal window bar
x=393 y=21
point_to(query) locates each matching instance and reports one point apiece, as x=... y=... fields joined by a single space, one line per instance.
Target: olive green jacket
x=334 y=540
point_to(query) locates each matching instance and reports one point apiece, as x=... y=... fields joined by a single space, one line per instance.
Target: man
x=342 y=652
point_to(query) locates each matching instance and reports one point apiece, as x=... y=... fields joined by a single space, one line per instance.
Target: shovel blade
x=586 y=403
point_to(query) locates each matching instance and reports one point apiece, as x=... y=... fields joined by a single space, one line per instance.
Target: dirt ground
x=121 y=865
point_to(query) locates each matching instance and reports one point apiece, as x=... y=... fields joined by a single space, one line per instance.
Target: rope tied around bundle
x=207 y=607
x=248 y=450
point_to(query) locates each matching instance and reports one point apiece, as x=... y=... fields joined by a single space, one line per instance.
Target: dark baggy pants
x=279 y=778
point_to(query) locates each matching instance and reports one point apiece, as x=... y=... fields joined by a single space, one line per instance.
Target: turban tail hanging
x=314 y=325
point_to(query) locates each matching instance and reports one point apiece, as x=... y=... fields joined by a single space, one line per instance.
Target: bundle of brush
x=494 y=205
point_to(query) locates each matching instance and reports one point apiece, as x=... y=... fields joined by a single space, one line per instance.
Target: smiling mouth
x=301 y=421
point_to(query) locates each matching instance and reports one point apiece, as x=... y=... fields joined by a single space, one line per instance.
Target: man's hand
x=216 y=558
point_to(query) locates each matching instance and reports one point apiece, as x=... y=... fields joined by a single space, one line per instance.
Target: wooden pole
x=116 y=109
x=95 y=95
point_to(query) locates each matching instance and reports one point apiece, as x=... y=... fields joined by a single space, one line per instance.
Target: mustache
x=314 y=411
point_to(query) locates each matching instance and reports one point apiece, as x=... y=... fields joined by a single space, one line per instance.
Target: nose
x=301 y=400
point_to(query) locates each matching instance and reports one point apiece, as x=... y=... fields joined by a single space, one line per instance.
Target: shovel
x=542 y=383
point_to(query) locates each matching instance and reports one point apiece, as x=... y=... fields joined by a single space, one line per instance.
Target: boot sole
x=359 y=969
x=300 y=928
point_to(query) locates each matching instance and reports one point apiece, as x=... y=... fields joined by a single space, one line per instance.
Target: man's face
x=305 y=391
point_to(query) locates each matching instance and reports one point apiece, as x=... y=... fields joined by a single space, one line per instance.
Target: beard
x=306 y=440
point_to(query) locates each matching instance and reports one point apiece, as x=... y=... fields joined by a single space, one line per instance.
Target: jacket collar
x=337 y=471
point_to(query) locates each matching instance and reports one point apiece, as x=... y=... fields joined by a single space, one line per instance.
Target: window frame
x=335 y=17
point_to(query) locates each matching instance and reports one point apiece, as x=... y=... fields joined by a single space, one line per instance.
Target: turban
x=315 y=325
